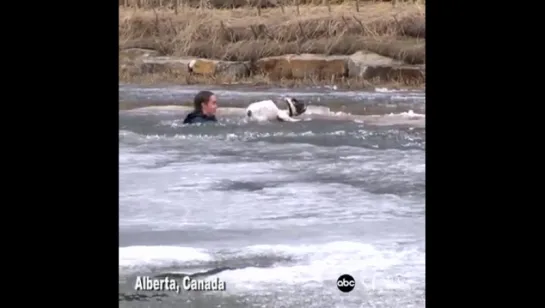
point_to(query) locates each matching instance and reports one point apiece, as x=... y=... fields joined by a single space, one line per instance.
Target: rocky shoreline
x=375 y=44
x=368 y=67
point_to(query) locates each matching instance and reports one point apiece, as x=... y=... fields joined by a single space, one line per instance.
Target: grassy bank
x=244 y=34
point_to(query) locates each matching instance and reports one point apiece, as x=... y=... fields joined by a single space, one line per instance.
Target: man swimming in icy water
x=205 y=104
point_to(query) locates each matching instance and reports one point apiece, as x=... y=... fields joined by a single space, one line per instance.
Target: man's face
x=210 y=107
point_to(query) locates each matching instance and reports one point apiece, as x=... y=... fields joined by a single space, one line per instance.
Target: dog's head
x=295 y=106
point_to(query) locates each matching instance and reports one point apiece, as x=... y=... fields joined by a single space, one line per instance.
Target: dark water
x=281 y=210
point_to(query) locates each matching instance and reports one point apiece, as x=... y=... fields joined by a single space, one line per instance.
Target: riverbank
x=377 y=46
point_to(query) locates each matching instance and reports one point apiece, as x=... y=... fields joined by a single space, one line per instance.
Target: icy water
x=279 y=210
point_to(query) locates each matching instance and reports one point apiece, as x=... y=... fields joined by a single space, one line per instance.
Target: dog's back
x=263 y=110
x=268 y=110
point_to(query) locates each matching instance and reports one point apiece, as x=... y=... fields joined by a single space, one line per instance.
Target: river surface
x=280 y=210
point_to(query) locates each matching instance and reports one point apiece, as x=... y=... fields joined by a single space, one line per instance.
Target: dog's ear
x=291 y=106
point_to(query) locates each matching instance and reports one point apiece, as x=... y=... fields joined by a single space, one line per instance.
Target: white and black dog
x=270 y=110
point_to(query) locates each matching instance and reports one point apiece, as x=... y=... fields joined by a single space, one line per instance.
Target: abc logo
x=346 y=283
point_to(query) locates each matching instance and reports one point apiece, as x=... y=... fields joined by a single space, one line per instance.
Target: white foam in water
x=312 y=113
x=410 y=114
x=386 y=90
x=138 y=257
x=311 y=265
x=322 y=110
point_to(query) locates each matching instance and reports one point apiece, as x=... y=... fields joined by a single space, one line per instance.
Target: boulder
x=361 y=60
x=302 y=66
x=130 y=69
x=130 y=59
x=202 y=67
x=231 y=69
x=368 y=66
x=169 y=65
x=134 y=54
x=401 y=73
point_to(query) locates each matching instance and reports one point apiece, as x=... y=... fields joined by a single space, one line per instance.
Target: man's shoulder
x=197 y=117
x=192 y=117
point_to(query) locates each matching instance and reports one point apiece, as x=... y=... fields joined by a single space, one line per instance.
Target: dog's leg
x=288 y=119
x=294 y=120
x=282 y=116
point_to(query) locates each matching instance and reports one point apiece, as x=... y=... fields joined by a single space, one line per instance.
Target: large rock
x=401 y=73
x=168 y=65
x=359 y=62
x=363 y=65
x=371 y=66
x=302 y=66
x=130 y=59
x=231 y=69
x=134 y=54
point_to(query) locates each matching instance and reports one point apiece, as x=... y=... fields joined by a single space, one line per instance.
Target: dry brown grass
x=241 y=35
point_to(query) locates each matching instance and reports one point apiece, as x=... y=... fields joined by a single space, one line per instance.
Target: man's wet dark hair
x=201 y=97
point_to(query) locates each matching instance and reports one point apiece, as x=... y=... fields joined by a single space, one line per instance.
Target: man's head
x=205 y=102
x=295 y=107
